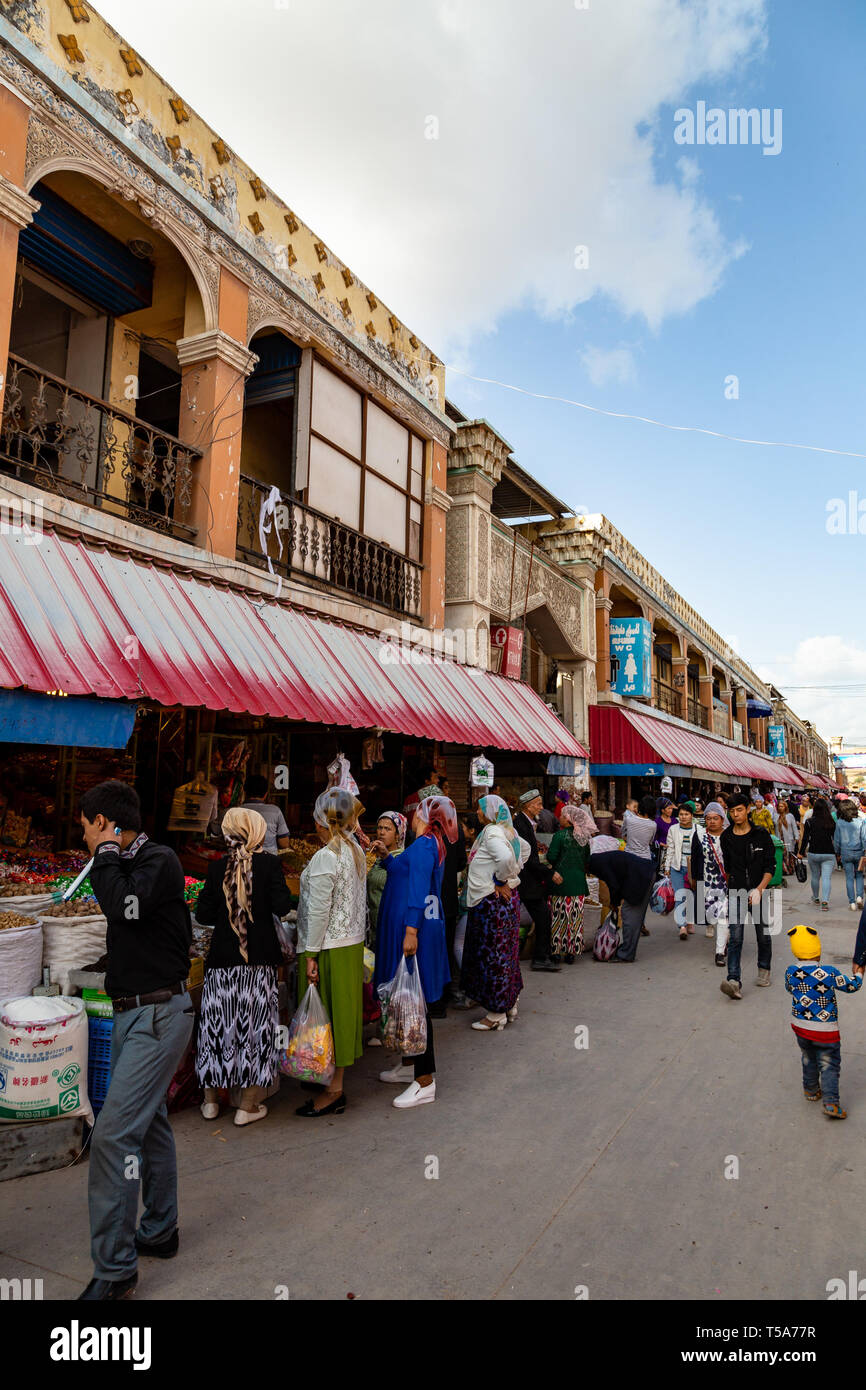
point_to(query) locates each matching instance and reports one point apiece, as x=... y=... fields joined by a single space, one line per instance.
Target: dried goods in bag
x=309 y=1051
x=404 y=1011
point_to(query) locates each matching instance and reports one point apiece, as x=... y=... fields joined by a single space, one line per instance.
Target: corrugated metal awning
x=91 y=621
x=619 y=735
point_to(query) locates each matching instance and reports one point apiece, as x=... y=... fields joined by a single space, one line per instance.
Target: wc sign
x=631 y=656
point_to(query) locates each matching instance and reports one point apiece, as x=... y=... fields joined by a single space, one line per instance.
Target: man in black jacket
x=139 y=886
x=750 y=862
x=535 y=881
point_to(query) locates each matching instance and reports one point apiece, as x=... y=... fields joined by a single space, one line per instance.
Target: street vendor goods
x=309 y=1051
x=404 y=1011
x=20 y=954
x=43 y=1059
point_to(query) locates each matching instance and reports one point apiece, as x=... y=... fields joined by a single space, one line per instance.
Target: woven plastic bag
x=404 y=1011
x=309 y=1051
x=607 y=939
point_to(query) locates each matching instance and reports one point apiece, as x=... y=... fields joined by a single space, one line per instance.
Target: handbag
x=801 y=870
x=607 y=940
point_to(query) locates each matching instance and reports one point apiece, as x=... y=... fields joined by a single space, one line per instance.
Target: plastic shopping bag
x=663 y=897
x=404 y=1011
x=607 y=939
x=309 y=1051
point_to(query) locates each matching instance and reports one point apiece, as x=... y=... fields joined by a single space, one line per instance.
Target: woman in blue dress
x=412 y=923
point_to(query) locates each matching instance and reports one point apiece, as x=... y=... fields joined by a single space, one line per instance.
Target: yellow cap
x=805 y=942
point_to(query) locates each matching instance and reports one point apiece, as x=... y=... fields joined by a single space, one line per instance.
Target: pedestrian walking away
x=139 y=887
x=815 y=1018
x=237 y=1036
x=849 y=843
x=817 y=843
x=750 y=860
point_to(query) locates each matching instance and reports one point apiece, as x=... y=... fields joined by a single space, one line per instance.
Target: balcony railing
x=698 y=714
x=80 y=447
x=300 y=541
x=667 y=698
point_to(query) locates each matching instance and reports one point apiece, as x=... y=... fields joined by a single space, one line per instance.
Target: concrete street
x=558 y=1168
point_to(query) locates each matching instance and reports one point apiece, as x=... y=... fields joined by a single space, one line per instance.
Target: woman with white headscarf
x=412 y=923
x=568 y=856
x=332 y=919
x=490 y=970
x=237 y=1038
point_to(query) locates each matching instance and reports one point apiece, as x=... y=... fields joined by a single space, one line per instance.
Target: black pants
x=450 y=934
x=425 y=1064
x=538 y=911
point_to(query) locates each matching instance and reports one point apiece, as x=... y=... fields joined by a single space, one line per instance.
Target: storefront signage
x=776 y=734
x=631 y=656
x=509 y=642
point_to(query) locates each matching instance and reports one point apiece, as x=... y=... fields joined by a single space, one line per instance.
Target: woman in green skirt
x=331 y=924
x=568 y=856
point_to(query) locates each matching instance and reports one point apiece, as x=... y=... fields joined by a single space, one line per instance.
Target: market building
x=673 y=700
x=225 y=479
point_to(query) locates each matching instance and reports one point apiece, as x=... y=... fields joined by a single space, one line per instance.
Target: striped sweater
x=814 y=1008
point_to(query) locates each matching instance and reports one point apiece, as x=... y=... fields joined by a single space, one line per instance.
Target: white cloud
x=816 y=664
x=602 y=366
x=549 y=126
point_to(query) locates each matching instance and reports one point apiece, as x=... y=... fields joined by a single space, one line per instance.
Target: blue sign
x=776 y=734
x=631 y=656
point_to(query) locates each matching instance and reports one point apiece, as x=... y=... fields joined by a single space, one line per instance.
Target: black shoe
x=162 y=1249
x=309 y=1111
x=720 y=960
x=547 y=965
x=569 y=959
x=108 y=1290
x=437 y=1010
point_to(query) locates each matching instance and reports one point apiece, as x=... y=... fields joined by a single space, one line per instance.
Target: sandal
x=812 y=1095
x=825 y=907
x=835 y=1112
x=489 y=1025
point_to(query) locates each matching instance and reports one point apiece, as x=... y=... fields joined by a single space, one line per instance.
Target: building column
x=214 y=367
x=437 y=504
x=603 y=606
x=707 y=700
x=474 y=468
x=16 y=207
x=727 y=697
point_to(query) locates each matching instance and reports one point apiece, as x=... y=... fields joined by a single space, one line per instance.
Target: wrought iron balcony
x=667 y=698
x=77 y=446
x=300 y=541
x=698 y=714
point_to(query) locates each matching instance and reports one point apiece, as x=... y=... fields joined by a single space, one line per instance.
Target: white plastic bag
x=20 y=958
x=309 y=1051
x=43 y=1059
x=404 y=1011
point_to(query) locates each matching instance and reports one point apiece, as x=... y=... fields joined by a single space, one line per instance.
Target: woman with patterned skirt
x=237 y=1039
x=490 y=971
x=568 y=856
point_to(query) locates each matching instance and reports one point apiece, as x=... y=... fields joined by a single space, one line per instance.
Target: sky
x=508 y=179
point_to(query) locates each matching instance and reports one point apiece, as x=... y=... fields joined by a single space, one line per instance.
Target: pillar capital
x=204 y=347
x=15 y=204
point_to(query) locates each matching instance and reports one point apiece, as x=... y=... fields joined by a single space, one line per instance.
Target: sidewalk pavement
x=563 y=1171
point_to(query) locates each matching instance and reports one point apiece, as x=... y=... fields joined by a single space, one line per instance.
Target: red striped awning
x=629 y=736
x=92 y=621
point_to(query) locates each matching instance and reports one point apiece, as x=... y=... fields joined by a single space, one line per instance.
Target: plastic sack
x=607 y=939
x=71 y=943
x=309 y=1051
x=20 y=957
x=404 y=1011
x=286 y=935
x=43 y=1059
x=663 y=897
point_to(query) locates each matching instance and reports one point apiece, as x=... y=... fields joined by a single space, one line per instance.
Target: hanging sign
x=776 y=734
x=631 y=656
x=508 y=641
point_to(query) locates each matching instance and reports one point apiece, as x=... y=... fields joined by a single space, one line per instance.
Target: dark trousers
x=822 y=1061
x=736 y=923
x=450 y=934
x=632 y=917
x=540 y=914
x=425 y=1064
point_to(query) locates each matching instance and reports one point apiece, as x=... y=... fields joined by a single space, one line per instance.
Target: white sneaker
x=210 y=1110
x=249 y=1117
x=398 y=1075
x=853 y=906
x=859 y=902
x=415 y=1095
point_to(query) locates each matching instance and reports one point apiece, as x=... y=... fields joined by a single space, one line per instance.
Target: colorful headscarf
x=336 y=810
x=582 y=823
x=563 y=795
x=437 y=816
x=244 y=832
x=399 y=822
x=496 y=811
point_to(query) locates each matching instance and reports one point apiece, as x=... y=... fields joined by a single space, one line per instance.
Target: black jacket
x=534 y=876
x=270 y=895
x=817 y=839
x=760 y=855
x=149 y=934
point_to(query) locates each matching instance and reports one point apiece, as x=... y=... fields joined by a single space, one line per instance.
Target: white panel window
x=417 y=474
x=385 y=514
x=337 y=411
x=414 y=530
x=387 y=445
x=335 y=484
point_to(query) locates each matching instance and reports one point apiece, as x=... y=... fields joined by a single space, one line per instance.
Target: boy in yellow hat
x=816 y=1017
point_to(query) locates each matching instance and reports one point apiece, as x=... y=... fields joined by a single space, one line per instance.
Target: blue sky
x=557 y=130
